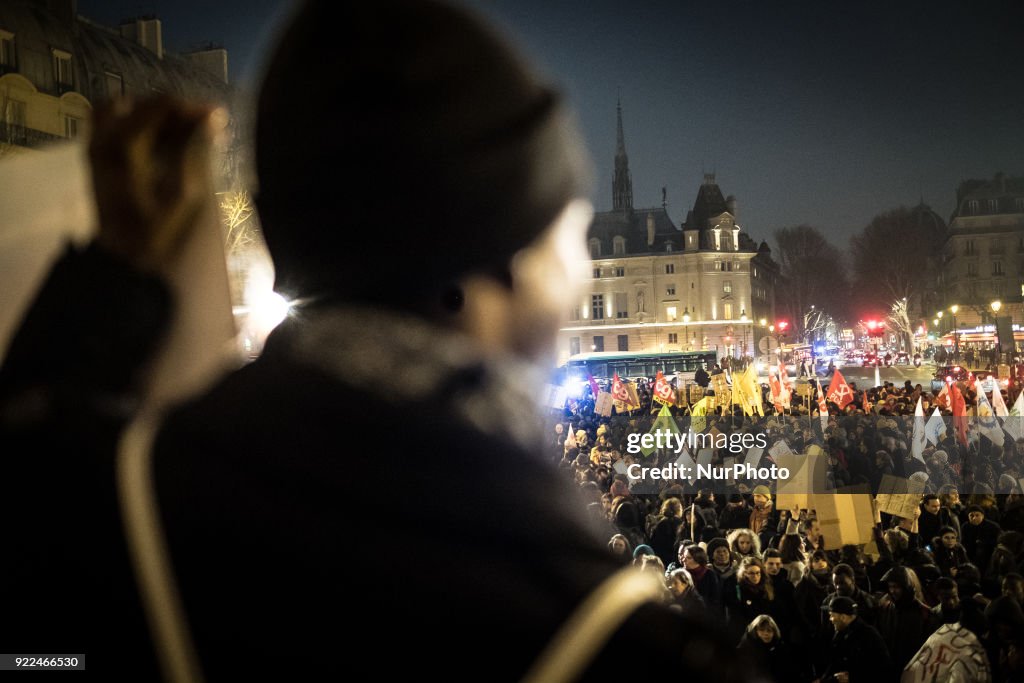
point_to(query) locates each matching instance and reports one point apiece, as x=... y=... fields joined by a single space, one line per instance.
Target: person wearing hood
x=735 y=514
x=951 y=609
x=808 y=596
x=947 y=551
x=904 y=621
x=763 y=642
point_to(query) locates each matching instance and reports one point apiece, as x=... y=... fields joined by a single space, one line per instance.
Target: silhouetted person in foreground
x=421 y=191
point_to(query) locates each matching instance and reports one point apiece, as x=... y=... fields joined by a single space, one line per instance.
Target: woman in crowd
x=749 y=596
x=744 y=543
x=685 y=596
x=764 y=643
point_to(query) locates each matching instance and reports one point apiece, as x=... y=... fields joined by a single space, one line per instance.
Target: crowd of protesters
x=808 y=610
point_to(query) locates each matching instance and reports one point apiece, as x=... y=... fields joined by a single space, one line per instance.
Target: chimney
x=147 y=32
x=213 y=60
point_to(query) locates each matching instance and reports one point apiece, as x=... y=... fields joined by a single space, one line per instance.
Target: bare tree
x=814 y=278
x=899 y=320
x=236 y=210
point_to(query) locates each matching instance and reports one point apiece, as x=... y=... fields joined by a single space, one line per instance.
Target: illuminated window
x=670 y=290
x=727 y=287
x=727 y=310
x=621 y=306
x=62 y=68
x=597 y=307
x=671 y=312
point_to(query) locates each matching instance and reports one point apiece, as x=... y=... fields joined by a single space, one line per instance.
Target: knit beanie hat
x=405 y=133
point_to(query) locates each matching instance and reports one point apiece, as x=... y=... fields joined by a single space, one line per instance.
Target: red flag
x=619 y=392
x=959 y=406
x=839 y=391
x=776 y=388
x=663 y=391
x=864 y=401
x=593 y=385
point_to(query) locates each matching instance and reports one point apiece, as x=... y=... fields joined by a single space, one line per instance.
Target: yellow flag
x=697 y=412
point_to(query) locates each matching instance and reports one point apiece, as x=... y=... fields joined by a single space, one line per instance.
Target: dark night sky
x=809 y=112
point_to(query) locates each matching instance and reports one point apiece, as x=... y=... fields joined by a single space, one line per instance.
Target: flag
x=750 y=392
x=822 y=406
x=864 y=401
x=570 y=438
x=942 y=398
x=839 y=391
x=1014 y=424
x=988 y=423
x=697 y=412
x=998 y=404
x=917 y=447
x=776 y=391
x=624 y=395
x=952 y=653
x=664 y=423
x=663 y=391
x=593 y=385
x=936 y=425
x=785 y=388
x=956 y=401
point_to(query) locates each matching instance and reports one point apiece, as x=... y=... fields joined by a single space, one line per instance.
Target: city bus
x=604 y=365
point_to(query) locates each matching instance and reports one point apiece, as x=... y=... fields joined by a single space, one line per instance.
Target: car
x=950 y=373
x=902 y=358
x=870 y=360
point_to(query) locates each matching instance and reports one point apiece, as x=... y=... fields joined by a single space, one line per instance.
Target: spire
x=622 y=184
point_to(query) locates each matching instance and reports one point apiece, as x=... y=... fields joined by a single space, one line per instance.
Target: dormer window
x=619 y=246
x=972 y=206
x=62 y=68
x=595 y=248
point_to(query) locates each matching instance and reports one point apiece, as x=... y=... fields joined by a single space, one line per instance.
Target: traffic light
x=875 y=328
x=782 y=325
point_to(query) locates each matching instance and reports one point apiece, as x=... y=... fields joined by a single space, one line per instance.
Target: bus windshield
x=603 y=366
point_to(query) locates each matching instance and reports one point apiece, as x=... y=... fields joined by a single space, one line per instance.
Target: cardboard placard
x=753 y=458
x=696 y=392
x=900 y=497
x=779 y=448
x=845 y=517
x=603 y=405
x=704 y=456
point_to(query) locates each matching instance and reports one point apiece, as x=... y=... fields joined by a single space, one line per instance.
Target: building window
x=6 y=49
x=997 y=268
x=574 y=314
x=727 y=310
x=673 y=338
x=595 y=248
x=972 y=270
x=972 y=206
x=598 y=344
x=670 y=290
x=1018 y=203
x=623 y=342
x=727 y=287
x=755 y=271
x=668 y=246
x=993 y=206
x=619 y=246
x=574 y=346
x=62 y=68
x=969 y=248
x=70 y=127
x=620 y=271
x=115 y=85
x=621 y=306
x=597 y=273
x=671 y=312
x=670 y=268
x=597 y=307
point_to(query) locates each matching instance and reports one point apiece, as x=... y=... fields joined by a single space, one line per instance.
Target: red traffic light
x=782 y=325
x=872 y=324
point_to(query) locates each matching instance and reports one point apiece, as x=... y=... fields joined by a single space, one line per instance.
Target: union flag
x=839 y=391
x=663 y=391
x=959 y=407
x=624 y=395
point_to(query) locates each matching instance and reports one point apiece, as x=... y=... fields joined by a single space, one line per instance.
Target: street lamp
x=956 y=337
x=996 y=305
x=686 y=321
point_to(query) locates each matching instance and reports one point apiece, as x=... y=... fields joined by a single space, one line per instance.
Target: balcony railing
x=24 y=136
